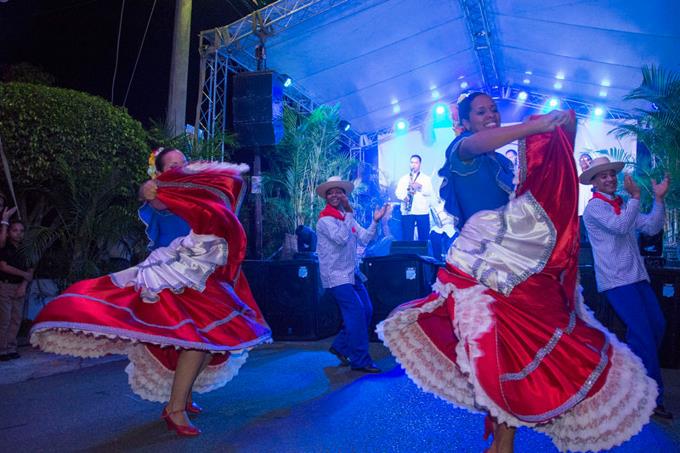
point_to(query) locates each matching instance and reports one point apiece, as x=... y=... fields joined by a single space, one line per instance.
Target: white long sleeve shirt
x=614 y=240
x=337 y=248
x=421 y=198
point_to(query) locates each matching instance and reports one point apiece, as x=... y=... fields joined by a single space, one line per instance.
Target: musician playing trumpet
x=415 y=191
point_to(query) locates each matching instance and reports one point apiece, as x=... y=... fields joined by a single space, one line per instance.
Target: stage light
x=522 y=96
x=557 y=85
x=287 y=81
x=396 y=109
x=599 y=111
x=559 y=76
x=463 y=85
x=344 y=125
x=605 y=83
x=440 y=109
x=528 y=72
x=553 y=102
x=435 y=94
x=401 y=126
x=603 y=93
x=526 y=81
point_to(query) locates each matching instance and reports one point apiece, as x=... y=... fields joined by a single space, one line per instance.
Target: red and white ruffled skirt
x=189 y=295
x=506 y=331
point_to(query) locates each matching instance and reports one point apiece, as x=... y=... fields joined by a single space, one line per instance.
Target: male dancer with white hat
x=619 y=269
x=338 y=234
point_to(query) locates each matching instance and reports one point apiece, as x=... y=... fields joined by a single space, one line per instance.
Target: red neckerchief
x=330 y=211
x=616 y=203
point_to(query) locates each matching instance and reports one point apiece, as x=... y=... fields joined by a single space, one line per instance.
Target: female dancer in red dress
x=505 y=332
x=185 y=317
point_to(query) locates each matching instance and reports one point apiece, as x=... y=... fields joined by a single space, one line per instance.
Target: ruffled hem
x=146 y=375
x=149 y=379
x=613 y=415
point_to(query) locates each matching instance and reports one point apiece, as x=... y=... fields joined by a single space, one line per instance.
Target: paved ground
x=289 y=397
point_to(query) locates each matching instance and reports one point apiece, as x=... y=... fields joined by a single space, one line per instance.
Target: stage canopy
x=382 y=60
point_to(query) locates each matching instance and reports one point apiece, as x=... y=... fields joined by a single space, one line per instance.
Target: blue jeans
x=356 y=309
x=638 y=308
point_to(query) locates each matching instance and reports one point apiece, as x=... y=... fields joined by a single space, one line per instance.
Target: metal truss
x=211 y=111
x=479 y=28
x=581 y=108
x=232 y=49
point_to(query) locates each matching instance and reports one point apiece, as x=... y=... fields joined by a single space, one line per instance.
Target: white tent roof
x=369 y=54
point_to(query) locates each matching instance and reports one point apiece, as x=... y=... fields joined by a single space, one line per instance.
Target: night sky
x=75 y=40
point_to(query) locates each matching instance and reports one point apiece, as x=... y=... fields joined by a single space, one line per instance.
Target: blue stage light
x=344 y=125
x=522 y=96
x=599 y=111
x=440 y=109
x=401 y=125
x=287 y=81
x=553 y=102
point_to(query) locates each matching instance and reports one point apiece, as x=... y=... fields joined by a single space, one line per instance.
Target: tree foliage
x=75 y=161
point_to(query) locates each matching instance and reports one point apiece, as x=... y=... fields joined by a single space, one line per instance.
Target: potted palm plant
x=657 y=125
x=309 y=153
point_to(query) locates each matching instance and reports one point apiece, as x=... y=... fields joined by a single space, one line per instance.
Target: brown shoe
x=368 y=369
x=662 y=413
x=344 y=360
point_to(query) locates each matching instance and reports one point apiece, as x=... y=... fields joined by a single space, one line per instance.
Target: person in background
x=14 y=278
x=511 y=154
x=5 y=214
x=584 y=161
x=620 y=272
x=442 y=231
x=415 y=191
x=338 y=236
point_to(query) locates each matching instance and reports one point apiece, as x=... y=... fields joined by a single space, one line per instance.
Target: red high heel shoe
x=181 y=430
x=193 y=408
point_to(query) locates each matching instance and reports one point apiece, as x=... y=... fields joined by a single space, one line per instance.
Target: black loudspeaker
x=666 y=286
x=292 y=300
x=395 y=279
x=598 y=303
x=411 y=248
x=258 y=108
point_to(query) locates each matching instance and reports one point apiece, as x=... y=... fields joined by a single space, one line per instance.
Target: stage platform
x=288 y=397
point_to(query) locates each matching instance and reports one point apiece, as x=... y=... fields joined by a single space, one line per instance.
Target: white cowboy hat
x=599 y=165
x=334 y=181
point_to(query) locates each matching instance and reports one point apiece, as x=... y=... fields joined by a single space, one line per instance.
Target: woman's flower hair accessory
x=151 y=171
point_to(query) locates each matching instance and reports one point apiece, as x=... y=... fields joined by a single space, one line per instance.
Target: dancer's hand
x=344 y=202
x=548 y=123
x=379 y=213
x=148 y=190
x=631 y=187
x=661 y=188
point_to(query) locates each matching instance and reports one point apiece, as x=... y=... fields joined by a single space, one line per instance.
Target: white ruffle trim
x=429 y=368
x=147 y=376
x=201 y=166
x=186 y=263
x=149 y=379
x=613 y=415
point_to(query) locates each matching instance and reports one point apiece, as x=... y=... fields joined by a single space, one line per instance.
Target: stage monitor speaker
x=422 y=248
x=292 y=300
x=395 y=279
x=651 y=245
x=666 y=286
x=258 y=108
